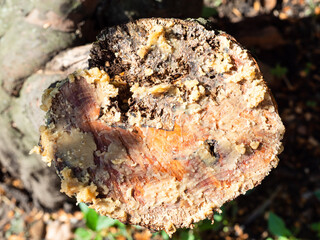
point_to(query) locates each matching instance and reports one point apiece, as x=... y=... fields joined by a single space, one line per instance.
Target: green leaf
x=82 y=234
x=282 y=238
x=316 y=227
x=111 y=236
x=225 y=229
x=308 y=68
x=84 y=208
x=119 y=224
x=218 y=217
x=187 y=235
x=164 y=235
x=277 y=226
x=155 y=234
x=279 y=71
x=317 y=194
x=311 y=103
x=217 y=3
x=207 y=224
x=137 y=227
x=98 y=237
x=105 y=222
x=209 y=12
x=124 y=232
x=92 y=219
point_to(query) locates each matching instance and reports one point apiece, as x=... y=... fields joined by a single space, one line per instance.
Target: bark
x=30 y=41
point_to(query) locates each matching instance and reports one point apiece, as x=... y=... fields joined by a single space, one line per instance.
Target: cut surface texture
x=170 y=121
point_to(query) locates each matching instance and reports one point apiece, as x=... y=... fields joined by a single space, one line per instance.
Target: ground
x=284 y=37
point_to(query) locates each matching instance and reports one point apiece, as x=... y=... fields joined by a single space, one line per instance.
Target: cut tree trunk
x=171 y=121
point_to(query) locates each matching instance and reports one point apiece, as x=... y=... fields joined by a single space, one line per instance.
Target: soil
x=284 y=37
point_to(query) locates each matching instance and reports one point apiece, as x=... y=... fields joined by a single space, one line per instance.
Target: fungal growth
x=170 y=121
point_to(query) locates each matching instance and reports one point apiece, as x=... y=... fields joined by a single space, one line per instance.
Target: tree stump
x=171 y=121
